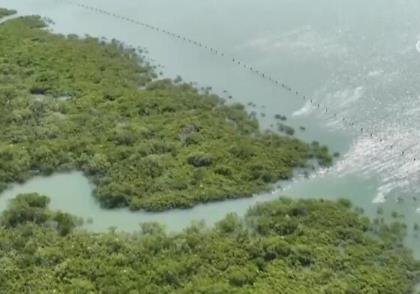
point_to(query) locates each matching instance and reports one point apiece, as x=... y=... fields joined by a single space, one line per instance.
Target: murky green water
x=358 y=58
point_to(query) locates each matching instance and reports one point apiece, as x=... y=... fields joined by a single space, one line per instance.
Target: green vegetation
x=84 y=104
x=285 y=129
x=32 y=208
x=6 y=12
x=285 y=246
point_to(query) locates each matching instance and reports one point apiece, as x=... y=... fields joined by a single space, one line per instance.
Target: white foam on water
x=377 y=95
x=343 y=98
x=391 y=160
x=306 y=109
x=375 y=73
x=304 y=41
x=379 y=199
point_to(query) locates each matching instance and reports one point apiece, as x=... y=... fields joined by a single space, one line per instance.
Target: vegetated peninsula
x=69 y=103
x=285 y=246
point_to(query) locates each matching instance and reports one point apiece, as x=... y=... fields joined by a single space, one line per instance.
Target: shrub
x=200 y=159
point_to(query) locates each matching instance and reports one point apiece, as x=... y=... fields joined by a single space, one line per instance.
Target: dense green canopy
x=68 y=103
x=306 y=246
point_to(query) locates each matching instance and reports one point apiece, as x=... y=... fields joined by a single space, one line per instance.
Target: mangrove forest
x=284 y=246
x=70 y=103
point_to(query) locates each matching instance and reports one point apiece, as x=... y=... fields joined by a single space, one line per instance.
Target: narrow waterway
x=357 y=58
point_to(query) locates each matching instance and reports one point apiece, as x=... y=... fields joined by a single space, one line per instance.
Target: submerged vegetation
x=285 y=246
x=84 y=104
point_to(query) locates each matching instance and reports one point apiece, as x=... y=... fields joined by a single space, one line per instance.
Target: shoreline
x=201 y=165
